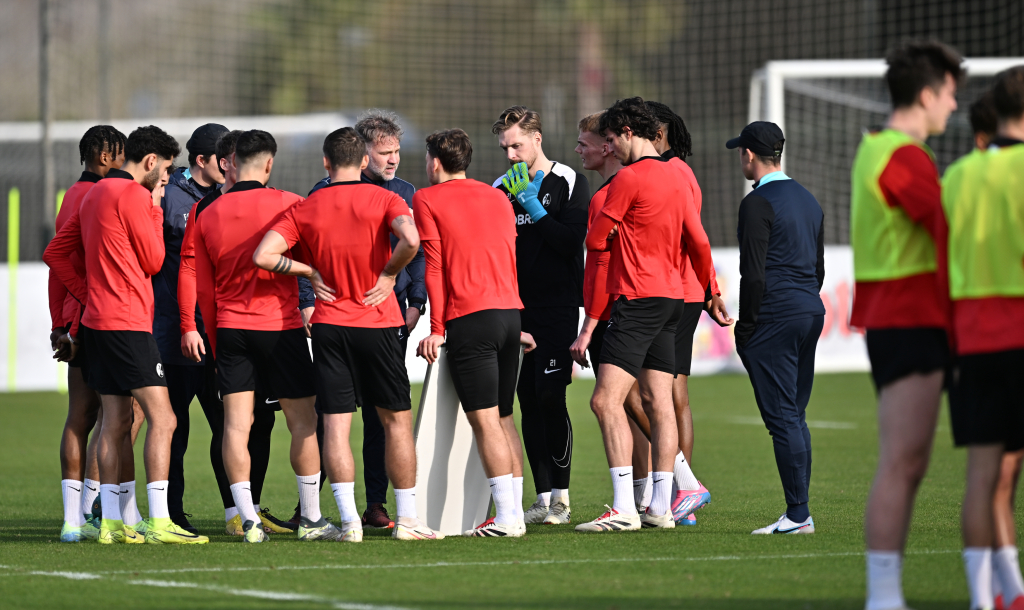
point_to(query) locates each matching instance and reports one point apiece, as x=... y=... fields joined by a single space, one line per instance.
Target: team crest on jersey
x=547 y=200
x=160 y=370
x=186 y=216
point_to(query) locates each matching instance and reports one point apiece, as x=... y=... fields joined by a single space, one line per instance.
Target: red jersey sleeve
x=143 y=222
x=287 y=227
x=187 y=276
x=205 y=286
x=621 y=196
x=597 y=301
x=430 y=240
x=56 y=292
x=697 y=246
x=396 y=207
x=424 y=219
x=58 y=256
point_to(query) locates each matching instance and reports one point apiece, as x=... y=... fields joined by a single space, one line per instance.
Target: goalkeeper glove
x=517 y=181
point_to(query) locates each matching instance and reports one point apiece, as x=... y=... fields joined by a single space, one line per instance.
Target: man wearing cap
x=185 y=379
x=782 y=267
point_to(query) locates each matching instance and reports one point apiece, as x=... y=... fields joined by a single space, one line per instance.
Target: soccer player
x=118 y=228
x=256 y=331
x=551 y=228
x=186 y=379
x=982 y=199
x=782 y=267
x=898 y=236
x=342 y=231
x=646 y=218
x=195 y=347
x=101 y=149
x=383 y=135
x=466 y=229
x=1005 y=565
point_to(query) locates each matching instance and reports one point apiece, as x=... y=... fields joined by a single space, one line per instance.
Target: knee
x=302 y=423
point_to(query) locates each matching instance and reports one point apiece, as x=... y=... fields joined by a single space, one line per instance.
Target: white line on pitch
x=273 y=595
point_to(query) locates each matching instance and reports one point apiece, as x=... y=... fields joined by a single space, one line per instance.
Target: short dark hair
x=149 y=140
x=632 y=113
x=344 y=147
x=919 y=64
x=452 y=148
x=1008 y=93
x=226 y=143
x=253 y=143
x=528 y=120
x=98 y=139
x=375 y=125
x=676 y=134
x=984 y=118
x=193 y=156
x=775 y=159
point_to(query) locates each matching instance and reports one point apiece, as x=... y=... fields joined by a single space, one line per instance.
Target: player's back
x=231 y=228
x=692 y=290
x=477 y=229
x=123 y=247
x=344 y=232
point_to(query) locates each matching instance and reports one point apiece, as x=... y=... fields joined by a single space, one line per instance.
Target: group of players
x=172 y=284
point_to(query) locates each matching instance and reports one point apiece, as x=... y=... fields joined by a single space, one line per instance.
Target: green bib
x=983 y=197
x=887 y=243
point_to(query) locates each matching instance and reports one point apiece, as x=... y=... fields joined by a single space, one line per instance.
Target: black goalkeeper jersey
x=549 y=253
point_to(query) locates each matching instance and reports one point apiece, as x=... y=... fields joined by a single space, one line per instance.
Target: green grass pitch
x=715 y=565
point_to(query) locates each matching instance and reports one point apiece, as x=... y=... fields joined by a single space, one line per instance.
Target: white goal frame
x=768 y=84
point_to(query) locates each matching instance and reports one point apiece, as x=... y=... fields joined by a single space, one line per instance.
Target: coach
x=782 y=268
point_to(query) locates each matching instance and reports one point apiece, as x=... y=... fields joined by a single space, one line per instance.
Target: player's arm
x=405 y=250
x=621 y=196
x=206 y=277
x=144 y=225
x=58 y=257
x=819 y=266
x=56 y=292
x=270 y=255
x=755 y=228
x=578 y=349
x=434 y=277
x=192 y=345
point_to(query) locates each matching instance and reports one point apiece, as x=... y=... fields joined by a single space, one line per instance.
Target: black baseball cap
x=760 y=138
x=204 y=139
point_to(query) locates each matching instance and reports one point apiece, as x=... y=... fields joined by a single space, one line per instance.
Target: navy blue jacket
x=180 y=194
x=410 y=287
x=782 y=254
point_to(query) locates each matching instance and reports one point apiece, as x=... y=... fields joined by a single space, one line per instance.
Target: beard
x=151 y=180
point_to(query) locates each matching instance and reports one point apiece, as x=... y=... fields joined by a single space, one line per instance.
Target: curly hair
x=98 y=139
x=630 y=113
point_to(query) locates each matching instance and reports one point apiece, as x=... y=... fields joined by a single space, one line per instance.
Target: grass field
x=716 y=565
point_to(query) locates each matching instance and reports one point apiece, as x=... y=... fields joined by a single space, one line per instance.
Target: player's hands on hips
x=527 y=340
x=307 y=315
x=384 y=288
x=716 y=309
x=517 y=181
x=578 y=349
x=430 y=347
x=66 y=348
x=320 y=289
x=412 y=318
x=192 y=346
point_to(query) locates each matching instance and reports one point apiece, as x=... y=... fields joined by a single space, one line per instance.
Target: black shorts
x=81 y=359
x=483 y=355
x=986 y=399
x=359 y=366
x=121 y=361
x=642 y=335
x=278 y=358
x=684 y=336
x=897 y=352
x=597 y=343
x=554 y=329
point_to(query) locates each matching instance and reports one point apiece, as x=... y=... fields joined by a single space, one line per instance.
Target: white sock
x=683 y=476
x=622 y=488
x=406 y=500
x=129 y=507
x=649 y=489
x=1006 y=566
x=560 y=495
x=997 y=587
x=108 y=498
x=157 y=493
x=639 y=489
x=256 y=507
x=978 y=565
x=72 y=492
x=544 y=498
x=90 y=490
x=517 y=494
x=309 y=496
x=661 y=499
x=504 y=499
x=242 y=494
x=885 y=580
x=345 y=498
x=230 y=513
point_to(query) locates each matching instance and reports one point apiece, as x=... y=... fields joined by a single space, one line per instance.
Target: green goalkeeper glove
x=517 y=181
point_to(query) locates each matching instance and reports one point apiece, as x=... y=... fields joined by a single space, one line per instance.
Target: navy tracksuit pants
x=779 y=358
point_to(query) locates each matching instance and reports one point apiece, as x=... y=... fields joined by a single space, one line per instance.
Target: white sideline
x=289 y=597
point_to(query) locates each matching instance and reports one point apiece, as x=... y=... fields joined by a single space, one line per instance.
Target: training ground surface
x=716 y=564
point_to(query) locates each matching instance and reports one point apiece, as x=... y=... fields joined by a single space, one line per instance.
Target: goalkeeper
x=551 y=224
